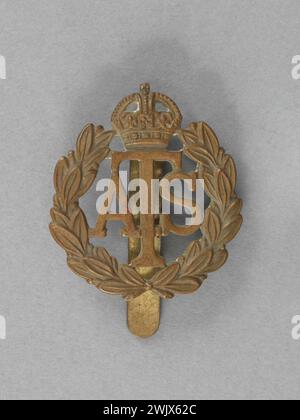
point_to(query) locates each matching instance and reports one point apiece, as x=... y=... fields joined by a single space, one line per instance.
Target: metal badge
x=146 y=122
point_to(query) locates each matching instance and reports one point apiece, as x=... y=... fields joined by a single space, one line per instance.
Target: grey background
x=224 y=62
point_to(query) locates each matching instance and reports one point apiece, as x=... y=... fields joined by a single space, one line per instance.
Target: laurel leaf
x=78 y=267
x=99 y=129
x=194 y=134
x=210 y=139
x=59 y=218
x=224 y=188
x=212 y=226
x=199 y=264
x=196 y=266
x=87 y=182
x=165 y=276
x=202 y=161
x=230 y=170
x=102 y=254
x=201 y=155
x=218 y=259
x=66 y=239
x=210 y=187
x=95 y=157
x=220 y=157
x=71 y=185
x=184 y=286
x=101 y=270
x=193 y=250
x=232 y=211
x=126 y=291
x=56 y=201
x=130 y=276
x=103 y=138
x=80 y=227
x=85 y=141
x=188 y=137
x=59 y=172
x=113 y=286
x=231 y=230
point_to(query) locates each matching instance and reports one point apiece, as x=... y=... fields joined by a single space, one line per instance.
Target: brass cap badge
x=146 y=122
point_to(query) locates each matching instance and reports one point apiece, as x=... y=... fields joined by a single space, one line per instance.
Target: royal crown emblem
x=146 y=122
x=146 y=119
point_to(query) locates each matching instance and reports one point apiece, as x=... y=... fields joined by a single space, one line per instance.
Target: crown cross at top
x=146 y=119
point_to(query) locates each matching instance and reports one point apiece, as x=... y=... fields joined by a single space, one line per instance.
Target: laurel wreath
x=75 y=174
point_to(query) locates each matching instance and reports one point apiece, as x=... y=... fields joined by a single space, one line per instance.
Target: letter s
x=296 y=69
x=296 y=329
